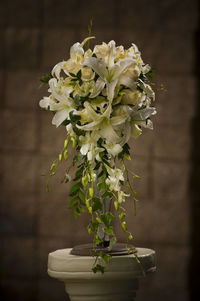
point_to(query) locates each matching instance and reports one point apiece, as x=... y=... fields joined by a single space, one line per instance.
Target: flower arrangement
x=103 y=98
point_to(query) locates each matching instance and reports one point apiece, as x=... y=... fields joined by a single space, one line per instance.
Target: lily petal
x=117 y=120
x=127 y=81
x=107 y=132
x=57 y=69
x=111 y=89
x=121 y=66
x=143 y=114
x=111 y=54
x=46 y=102
x=59 y=117
x=97 y=65
x=99 y=85
x=90 y=126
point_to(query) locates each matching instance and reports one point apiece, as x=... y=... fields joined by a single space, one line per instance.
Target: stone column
x=119 y=282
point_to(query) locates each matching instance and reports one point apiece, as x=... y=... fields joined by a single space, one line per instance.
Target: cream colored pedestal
x=118 y=283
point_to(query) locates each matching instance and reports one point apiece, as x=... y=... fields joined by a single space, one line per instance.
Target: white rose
x=132 y=97
x=87 y=74
x=133 y=72
x=101 y=50
x=71 y=66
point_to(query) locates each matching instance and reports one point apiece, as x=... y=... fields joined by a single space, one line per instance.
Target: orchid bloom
x=89 y=145
x=114 y=178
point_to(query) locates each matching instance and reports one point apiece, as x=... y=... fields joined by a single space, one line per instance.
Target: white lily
x=100 y=123
x=75 y=62
x=47 y=103
x=140 y=119
x=62 y=103
x=109 y=74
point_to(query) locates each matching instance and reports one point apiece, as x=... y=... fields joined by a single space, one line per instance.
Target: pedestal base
x=119 y=282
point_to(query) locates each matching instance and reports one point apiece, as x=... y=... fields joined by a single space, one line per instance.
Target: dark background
x=34 y=36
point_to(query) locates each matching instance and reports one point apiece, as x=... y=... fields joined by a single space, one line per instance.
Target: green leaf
x=77 y=100
x=107 y=218
x=102 y=185
x=112 y=242
x=106 y=162
x=77 y=212
x=45 y=79
x=77 y=159
x=74 y=118
x=79 y=74
x=124 y=152
x=98 y=268
x=107 y=194
x=101 y=174
x=66 y=122
x=122 y=216
x=105 y=257
x=82 y=194
x=94 y=226
x=78 y=173
x=78 y=131
x=109 y=231
x=73 y=202
x=97 y=204
x=72 y=74
x=75 y=189
x=97 y=165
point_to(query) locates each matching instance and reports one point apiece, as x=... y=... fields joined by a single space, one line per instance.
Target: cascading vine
x=103 y=98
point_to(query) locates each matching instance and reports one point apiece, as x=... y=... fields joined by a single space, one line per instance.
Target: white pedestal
x=118 y=283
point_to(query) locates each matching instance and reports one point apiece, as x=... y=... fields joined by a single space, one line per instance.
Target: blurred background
x=34 y=36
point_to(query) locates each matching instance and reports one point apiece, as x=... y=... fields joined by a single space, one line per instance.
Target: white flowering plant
x=103 y=97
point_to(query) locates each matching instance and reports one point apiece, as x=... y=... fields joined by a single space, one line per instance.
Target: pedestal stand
x=119 y=282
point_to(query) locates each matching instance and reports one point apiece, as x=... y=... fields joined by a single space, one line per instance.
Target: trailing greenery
x=88 y=192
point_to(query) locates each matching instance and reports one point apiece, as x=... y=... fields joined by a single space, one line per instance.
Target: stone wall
x=34 y=36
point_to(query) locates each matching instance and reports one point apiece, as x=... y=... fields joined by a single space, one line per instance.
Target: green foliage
x=107 y=218
x=125 y=151
x=148 y=76
x=75 y=189
x=77 y=159
x=74 y=202
x=76 y=77
x=96 y=204
x=79 y=173
x=46 y=78
x=98 y=268
x=83 y=197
